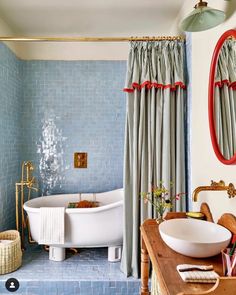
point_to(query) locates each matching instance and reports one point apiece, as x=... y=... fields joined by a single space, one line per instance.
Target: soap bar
x=197 y=215
x=5 y=242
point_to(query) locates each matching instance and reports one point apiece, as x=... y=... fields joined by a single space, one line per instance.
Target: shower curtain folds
x=154 y=136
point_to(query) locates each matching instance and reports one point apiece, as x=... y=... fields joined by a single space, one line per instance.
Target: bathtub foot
x=114 y=253
x=57 y=253
x=74 y=251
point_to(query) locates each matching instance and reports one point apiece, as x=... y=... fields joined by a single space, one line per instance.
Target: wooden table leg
x=144 y=269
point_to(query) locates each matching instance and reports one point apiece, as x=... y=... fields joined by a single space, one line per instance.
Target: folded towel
x=191 y=273
x=52 y=225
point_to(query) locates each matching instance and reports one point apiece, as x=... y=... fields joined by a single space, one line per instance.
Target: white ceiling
x=90 y=17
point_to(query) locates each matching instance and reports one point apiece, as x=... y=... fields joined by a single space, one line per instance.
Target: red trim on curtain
x=226 y=82
x=149 y=85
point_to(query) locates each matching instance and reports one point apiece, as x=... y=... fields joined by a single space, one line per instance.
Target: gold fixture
x=29 y=182
x=90 y=39
x=231 y=191
x=201 y=4
x=80 y=160
x=215 y=186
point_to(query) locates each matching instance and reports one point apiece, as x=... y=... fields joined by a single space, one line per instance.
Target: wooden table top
x=165 y=260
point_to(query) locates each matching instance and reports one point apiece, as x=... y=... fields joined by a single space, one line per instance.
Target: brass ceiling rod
x=89 y=39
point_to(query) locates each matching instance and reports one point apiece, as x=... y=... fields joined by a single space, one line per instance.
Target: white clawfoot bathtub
x=84 y=227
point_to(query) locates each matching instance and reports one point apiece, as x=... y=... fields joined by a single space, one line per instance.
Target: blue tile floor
x=86 y=273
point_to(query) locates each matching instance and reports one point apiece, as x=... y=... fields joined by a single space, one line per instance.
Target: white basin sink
x=194 y=238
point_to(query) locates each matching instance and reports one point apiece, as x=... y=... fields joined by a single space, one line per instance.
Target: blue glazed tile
x=82 y=106
x=71 y=276
x=112 y=284
x=76 y=103
x=10 y=125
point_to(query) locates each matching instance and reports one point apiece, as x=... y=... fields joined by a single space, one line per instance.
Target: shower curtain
x=225 y=99
x=155 y=135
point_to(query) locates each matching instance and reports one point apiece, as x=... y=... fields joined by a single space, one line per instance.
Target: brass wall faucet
x=216 y=186
x=29 y=182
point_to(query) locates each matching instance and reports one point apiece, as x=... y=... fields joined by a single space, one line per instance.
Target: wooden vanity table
x=164 y=261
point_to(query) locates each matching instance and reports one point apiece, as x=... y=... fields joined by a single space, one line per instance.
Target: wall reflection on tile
x=51 y=149
x=74 y=106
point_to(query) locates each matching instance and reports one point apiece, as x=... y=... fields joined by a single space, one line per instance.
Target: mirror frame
x=211 y=92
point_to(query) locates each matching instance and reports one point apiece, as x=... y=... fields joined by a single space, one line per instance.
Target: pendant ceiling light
x=202 y=18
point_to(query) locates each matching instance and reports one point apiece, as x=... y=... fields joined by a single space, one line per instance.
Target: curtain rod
x=90 y=39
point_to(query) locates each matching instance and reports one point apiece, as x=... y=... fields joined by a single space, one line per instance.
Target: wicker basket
x=10 y=254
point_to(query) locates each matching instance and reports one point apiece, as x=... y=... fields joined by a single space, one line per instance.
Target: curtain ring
x=133 y=44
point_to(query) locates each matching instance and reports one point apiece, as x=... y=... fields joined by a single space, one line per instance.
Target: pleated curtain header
x=155 y=64
x=226 y=66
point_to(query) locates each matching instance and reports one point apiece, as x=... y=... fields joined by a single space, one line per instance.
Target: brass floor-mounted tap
x=28 y=181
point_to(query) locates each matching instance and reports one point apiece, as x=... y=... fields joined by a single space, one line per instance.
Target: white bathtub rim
x=120 y=203
x=78 y=210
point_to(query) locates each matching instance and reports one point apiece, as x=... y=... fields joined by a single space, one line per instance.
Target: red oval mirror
x=222 y=99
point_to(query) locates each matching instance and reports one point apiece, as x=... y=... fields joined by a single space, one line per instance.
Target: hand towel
x=206 y=275
x=52 y=226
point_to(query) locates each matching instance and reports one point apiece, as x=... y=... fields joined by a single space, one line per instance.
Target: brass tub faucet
x=28 y=181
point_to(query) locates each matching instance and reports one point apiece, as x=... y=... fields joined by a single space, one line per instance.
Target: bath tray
x=83 y=204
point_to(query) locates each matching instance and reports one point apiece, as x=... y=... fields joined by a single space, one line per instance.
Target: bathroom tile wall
x=73 y=106
x=10 y=134
x=51 y=109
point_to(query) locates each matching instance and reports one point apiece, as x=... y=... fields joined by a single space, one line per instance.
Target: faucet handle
x=231 y=191
x=30 y=184
x=215 y=183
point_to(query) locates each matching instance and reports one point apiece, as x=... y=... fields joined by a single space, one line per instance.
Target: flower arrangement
x=160 y=199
